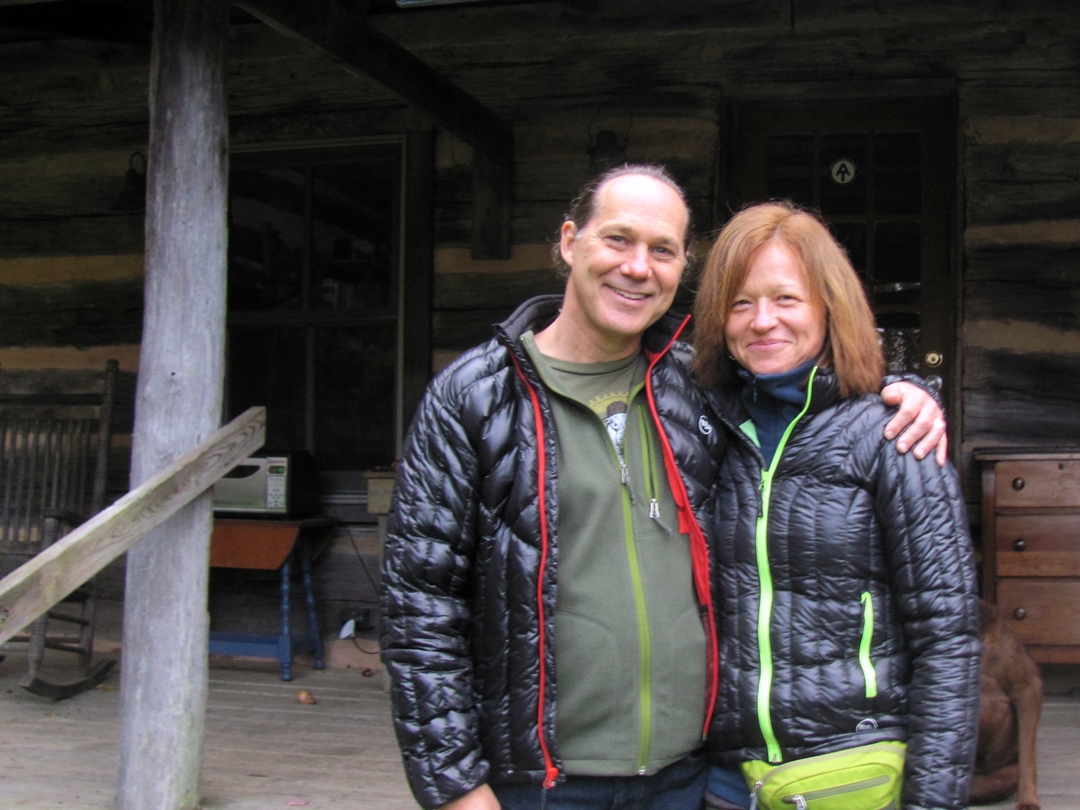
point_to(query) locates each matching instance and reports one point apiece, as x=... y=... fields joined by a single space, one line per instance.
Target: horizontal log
x=53 y=574
x=536 y=23
x=471 y=291
x=81 y=314
x=315 y=127
x=459 y=330
x=1014 y=398
x=1021 y=182
x=1038 y=284
x=71 y=236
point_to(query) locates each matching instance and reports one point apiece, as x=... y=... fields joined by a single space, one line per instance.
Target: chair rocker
x=54 y=453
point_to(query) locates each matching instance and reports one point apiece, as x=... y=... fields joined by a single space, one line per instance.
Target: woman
x=847 y=609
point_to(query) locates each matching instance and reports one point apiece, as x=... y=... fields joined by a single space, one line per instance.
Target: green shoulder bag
x=865 y=778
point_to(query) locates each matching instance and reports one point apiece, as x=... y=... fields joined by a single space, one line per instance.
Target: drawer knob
x=1020 y=614
x=1018 y=484
x=1019 y=544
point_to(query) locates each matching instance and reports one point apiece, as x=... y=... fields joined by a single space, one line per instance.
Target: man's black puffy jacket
x=864 y=546
x=471 y=559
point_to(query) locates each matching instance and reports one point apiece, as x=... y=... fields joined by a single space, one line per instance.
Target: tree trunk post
x=178 y=404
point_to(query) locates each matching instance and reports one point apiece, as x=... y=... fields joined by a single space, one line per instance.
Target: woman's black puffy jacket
x=471 y=557
x=862 y=542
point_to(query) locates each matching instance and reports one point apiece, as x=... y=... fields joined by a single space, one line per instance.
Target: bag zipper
x=801 y=800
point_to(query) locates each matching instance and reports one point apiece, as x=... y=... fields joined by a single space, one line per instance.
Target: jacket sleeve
x=928 y=546
x=425 y=608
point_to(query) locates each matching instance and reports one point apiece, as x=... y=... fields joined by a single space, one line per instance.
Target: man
x=545 y=530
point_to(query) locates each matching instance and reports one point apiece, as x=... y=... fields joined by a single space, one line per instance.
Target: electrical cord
x=374 y=587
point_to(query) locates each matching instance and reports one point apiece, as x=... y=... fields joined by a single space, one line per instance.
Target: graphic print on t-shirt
x=612 y=409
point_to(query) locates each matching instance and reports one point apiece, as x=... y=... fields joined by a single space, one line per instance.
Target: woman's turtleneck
x=773 y=401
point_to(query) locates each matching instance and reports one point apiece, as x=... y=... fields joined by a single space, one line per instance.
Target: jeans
x=679 y=786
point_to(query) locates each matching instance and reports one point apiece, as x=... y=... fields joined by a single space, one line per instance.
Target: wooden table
x=269 y=544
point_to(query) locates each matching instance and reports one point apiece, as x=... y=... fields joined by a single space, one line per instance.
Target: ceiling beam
x=345 y=38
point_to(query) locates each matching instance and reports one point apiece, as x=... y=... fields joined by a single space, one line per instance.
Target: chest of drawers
x=1031 y=546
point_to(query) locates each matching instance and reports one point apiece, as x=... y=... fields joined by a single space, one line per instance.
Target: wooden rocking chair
x=54 y=453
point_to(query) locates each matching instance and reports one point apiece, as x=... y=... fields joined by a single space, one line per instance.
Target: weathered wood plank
x=81 y=314
x=460 y=330
x=1035 y=283
x=1012 y=398
x=60 y=569
x=472 y=291
x=1016 y=182
x=178 y=401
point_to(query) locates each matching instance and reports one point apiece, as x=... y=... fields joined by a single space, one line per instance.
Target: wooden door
x=881 y=174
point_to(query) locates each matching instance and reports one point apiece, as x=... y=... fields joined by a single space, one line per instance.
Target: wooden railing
x=33 y=588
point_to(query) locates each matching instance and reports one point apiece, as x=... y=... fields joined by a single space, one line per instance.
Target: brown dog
x=1010 y=699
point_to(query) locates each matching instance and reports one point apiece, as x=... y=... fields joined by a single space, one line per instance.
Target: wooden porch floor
x=264 y=750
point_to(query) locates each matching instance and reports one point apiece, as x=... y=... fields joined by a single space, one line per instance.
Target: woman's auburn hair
x=852 y=349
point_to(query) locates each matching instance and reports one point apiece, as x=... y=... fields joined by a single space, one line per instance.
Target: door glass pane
x=790 y=168
x=266 y=239
x=843 y=174
x=353 y=227
x=897 y=173
x=852 y=235
x=901 y=347
x=354 y=396
x=897 y=253
x=266 y=367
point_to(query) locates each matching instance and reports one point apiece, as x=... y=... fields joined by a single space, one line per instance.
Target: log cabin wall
x=73 y=111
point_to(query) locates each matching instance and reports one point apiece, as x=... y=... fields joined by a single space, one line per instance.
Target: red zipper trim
x=688 y=524
x=551 y=773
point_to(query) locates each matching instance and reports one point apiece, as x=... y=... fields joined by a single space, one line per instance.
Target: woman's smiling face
x=775 y=323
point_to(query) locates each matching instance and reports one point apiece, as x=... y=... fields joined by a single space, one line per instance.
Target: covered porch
x=264 y=749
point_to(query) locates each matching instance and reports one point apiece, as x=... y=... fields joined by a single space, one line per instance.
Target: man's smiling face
x=625 y=264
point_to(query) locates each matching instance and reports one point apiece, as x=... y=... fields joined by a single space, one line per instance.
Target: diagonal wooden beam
x=345 y=38
x=30 y=590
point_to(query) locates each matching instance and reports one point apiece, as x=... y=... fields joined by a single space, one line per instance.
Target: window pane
x=897 y=253
x=354 y=397
x=266 y=367
x=353 y=232
x=266 y=239
x=843 y=174
x=898 y=173
x=852 y=235
x=790 y=168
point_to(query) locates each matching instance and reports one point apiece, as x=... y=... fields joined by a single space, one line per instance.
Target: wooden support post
x=178 y=404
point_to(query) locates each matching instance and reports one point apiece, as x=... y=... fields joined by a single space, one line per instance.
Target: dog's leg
x=994 y=787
